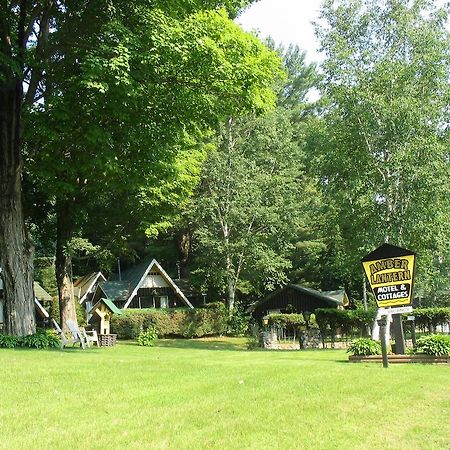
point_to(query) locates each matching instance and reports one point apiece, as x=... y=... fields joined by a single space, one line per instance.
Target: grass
x=213 y=394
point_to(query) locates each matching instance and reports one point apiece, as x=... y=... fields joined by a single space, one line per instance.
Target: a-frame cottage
x=84 y=288
x=146 y=285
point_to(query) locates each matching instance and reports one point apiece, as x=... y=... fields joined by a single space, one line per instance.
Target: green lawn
x=213 y=394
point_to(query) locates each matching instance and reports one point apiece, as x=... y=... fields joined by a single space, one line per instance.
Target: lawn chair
x=77 y=334
x=76 y=337
x=90 y=336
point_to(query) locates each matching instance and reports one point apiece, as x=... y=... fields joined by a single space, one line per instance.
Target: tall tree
x=383 y=156
x=123 y=97
x=251 y=204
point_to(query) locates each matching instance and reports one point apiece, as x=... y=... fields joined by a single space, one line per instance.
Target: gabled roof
x=131 y=280
x=42 y=311
x=113 y=308
x=115 y=290
x=339 y=295
x=40 y=293
x=326 y=297
x=136 y=277
x=85 y=284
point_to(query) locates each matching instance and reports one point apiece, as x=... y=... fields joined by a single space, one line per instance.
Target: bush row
x=430 y=318
x=42 y=339
x=330 y=320
x=433 y=344
x=183 y=323
x=344 y=319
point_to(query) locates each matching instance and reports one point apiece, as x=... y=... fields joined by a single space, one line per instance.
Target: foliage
x=239 y=320
x=330 y=320
x=381 y=148
x=364 y=347
x=434 y=344
x=42 y=339
x=286 y=320
x=250 y=204
x=186 y=323
x=430 y=317
x=147 y=337
x=116 y=94
x=255 y=195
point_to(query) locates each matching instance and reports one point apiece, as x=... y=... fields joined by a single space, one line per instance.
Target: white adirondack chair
x=75 y=337
x=77 y=334
x=91 y=337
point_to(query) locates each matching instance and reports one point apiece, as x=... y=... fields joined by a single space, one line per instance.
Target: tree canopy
x=383 y=157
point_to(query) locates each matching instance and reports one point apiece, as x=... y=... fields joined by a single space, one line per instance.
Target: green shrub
x=41 y=339
x=346 y=320
x=147 y=338
x=239 y=321
x=219 y=306
x=7 y=341
x=433 y=344
x=364 y=347
x=286 y=320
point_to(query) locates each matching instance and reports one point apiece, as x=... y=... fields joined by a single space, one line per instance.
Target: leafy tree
x=251 y=203
x=110 y=86
x=382 y=147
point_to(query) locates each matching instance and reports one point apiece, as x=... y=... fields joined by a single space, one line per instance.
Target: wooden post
x=382 y=323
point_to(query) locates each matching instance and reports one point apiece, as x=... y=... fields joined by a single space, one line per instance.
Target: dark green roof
x=114 y=309
x=323 y=297
x=116 y=290
x=133 y=275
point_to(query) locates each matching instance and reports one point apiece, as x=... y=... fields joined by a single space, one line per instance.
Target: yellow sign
x=390 y=271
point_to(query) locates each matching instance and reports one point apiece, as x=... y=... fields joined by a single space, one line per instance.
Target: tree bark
x=63 y=263
x=16 y=250
x=230 y=285
x=183 y=240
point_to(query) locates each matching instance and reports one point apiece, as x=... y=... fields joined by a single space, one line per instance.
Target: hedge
x=429 y=318
x=187 y=323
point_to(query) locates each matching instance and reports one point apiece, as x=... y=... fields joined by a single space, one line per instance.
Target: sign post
x=390 y=272
x=382 y=323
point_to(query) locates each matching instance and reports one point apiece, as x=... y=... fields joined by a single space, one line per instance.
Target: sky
x=287 y=21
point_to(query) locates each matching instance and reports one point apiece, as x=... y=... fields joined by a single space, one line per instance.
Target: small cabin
x=146 y=285
x=294 y=298
x=100 y=316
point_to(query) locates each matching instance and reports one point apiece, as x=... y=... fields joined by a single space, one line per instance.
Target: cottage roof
x=339 y=295
x=115 y=290
x=308 y=298
x=112 y=307
x=132 y=279
x=40 y=293
x=86 y=283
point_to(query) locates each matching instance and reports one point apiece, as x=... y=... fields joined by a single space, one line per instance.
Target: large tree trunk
x=183 y=240
x=16 y=251
x=63 y=266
